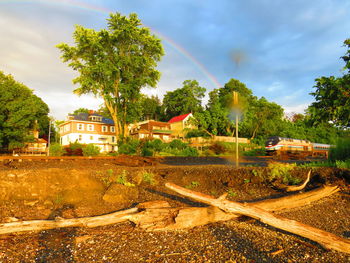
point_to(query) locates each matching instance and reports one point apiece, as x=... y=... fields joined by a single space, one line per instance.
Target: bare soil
x=34 y=189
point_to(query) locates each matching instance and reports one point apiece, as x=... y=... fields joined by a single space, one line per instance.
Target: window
x=104 y=128
x=80 y=126
x=112 y=129
x=113 y=139
x=80 y=137
x=66 y=127
x=91 y=138
x=90 y=127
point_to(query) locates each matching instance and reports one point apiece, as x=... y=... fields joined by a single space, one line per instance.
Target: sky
x=276 y=47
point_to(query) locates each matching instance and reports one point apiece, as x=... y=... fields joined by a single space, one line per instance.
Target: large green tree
x=114 y=64
x=21 y=111
x=183 y=100
x=332 y=97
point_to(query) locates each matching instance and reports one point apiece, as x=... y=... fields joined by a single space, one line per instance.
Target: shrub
x=196 y=133
x=217 y=148
x=151 y=147
x=91 y=150
x=282 y=171
x=189 y=152
x=255 y=152
x=341 y=151
x=130 y=146
x=74 y=149
x=177 y=144
x=146 y=152
x=56 y=149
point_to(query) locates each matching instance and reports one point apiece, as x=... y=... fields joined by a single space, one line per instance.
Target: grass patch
x=192 y=185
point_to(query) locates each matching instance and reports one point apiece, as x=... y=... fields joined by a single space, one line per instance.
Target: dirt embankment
x=78 y=188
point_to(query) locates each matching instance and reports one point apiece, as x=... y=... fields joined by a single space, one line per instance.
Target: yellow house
x=179 y=123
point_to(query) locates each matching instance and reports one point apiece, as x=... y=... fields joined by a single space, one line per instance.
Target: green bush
x=177 y=144
x=218 y=148
x=282 y=171
x=189 y=152
x=255 y=152
x=74 y=149
x=130 y=146
x=151 y=147
x=91 y=150
x=196 y=133
x=56 y=149
x=341 y=151
x=146 y=152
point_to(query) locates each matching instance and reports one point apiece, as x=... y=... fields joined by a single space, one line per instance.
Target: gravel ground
x=245 y=240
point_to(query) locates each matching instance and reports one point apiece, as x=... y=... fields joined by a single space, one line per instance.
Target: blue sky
x=277 y=48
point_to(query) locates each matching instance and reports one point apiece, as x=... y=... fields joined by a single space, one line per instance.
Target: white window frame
x=90 y=127
x=104 y=128
x=80 y=126
x=112 y=128
x=80 y=137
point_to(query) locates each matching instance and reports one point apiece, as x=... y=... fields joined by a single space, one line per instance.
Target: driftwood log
x=294 y=188
x=158 y=215
x=326 y=239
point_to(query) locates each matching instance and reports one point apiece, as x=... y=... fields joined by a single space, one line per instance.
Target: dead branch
x=326 y=239
x=293 y=188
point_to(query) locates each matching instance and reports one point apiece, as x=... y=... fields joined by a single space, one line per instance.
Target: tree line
x=117 y=62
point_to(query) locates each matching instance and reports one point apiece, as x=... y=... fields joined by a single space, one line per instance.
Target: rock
x=118 y=193
x=30 y=203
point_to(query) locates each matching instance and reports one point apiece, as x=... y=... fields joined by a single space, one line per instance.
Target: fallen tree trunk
x=158 y=215
x=39 y=225
x=326 y=239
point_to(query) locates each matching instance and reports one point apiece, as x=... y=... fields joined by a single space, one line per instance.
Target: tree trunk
x=326 y=239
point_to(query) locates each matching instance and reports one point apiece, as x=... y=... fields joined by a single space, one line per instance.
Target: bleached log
x=158 y=215
x=39 y=225
x=324 y=238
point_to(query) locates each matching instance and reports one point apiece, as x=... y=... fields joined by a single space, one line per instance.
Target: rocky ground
x=77 y=188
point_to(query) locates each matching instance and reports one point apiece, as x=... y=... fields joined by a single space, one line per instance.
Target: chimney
x=91 y=112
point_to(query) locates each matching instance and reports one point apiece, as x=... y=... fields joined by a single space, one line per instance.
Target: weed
x=279 y=170
x=231 y=193
x=258 y=173
x=58 y=199
x=148 y=177
x=246 y=181
x=122 y=179
x=193 y=184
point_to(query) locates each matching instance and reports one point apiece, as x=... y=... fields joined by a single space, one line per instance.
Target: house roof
x=178 y=118
x=85 y=117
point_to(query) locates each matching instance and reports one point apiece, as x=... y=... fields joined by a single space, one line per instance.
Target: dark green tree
x=151 y=108
x=114 y=64
x=183 y=100
x=80 y=110
x=21 y=111
x=332 y=97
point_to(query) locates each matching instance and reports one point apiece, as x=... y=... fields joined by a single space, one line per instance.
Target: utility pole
x=49 y=137
x=236 y=110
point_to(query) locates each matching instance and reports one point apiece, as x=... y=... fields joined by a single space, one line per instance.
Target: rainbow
x=100 y=9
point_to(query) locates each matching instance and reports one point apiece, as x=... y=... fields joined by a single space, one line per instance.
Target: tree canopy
x=21 y=111
x=114 y=64
x=183 y=100
x=332 y=97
